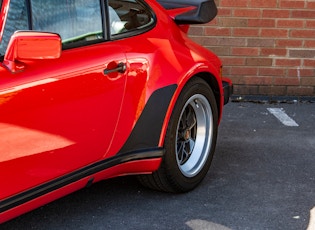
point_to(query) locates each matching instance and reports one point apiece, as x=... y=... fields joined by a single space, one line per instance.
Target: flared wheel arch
x=213 y=83
x=168 y=177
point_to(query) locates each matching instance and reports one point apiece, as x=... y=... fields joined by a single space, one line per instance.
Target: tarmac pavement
x=262 y=177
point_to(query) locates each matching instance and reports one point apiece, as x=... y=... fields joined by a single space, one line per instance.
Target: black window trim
x=135 y=32
x=29 y=14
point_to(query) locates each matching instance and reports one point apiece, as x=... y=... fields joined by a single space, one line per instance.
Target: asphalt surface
x=262 y=177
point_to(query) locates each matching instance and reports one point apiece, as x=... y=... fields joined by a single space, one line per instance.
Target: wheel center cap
x=187 y=135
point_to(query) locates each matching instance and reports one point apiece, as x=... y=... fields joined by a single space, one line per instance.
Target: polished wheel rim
x=194 y=135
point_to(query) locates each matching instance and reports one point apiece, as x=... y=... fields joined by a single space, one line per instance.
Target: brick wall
x=267 y=46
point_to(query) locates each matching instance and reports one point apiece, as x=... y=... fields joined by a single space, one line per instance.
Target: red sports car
x=96 y=89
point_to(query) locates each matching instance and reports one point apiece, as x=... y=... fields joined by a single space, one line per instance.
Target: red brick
x=196 y=30
x=309 y=44
x=233 y=22
x=264 y=90
x=289 y=43
x=301 y=72
x=309 y=63
x=288 y=23
x=246 y=90
x=223 y=41
x=248 y=13
x=276 y=33
x=273 y=51
x=220 y=50
x=246 y=32
x=288 y=62
x=303 y=14
x=303 y=33
x=261 y=22
x=237 y=80
x=308 y=81
x=217 y=31
x=214 y=22
x=199 y=40
x=300 y=91
x=245 y=51
x=227 y=71
x=292 y=4
x=244 y=70
x=286 y=81
x=310 y=24
x=258 y=61
x=232 y=61
x=271 y=71
x=224 y=12
x=259 y=42
x=276 y=13
x=233 y=3
x=273 y=90
x=302 y=53
x=258 y=80
x=310 y=5
x=263 y=3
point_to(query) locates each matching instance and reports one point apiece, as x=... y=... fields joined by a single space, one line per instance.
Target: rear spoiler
x=190 y=11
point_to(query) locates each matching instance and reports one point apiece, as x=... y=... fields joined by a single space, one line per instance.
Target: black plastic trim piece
x=228 y=91
x=147 y=131
x=53 y=185
x=205 y=11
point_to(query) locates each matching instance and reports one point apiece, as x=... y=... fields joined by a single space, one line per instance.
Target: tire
x=189 y=142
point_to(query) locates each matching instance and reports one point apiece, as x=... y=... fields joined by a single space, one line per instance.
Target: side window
x=17 y=20
x=75 y=21
x=126 y=16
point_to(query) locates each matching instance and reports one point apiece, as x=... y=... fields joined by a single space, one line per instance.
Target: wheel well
x=213 y=83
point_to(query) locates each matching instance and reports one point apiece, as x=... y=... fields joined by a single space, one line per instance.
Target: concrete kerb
x=263 y=99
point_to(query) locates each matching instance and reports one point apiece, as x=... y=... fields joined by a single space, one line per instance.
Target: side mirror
x=31 y=45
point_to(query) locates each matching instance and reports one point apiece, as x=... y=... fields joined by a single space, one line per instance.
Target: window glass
x=125 y=16
x=74 y=20
x=16 y=20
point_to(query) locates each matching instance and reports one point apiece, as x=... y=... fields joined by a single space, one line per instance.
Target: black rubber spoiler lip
x=203 y=12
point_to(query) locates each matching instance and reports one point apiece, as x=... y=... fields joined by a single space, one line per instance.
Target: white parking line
x=311 y=224
x=282 y=117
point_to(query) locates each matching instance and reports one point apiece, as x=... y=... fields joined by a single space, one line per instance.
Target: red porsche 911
x=96 y=89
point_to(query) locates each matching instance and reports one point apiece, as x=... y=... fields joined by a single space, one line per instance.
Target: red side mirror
x=30 y=45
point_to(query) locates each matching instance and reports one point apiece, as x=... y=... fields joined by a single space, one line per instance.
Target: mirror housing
x=31 y=45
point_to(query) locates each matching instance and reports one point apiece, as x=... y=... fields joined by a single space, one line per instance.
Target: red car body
x=70 y=117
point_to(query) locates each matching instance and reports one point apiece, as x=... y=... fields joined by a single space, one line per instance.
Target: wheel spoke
x=184 y=150
x=181 y=152
x=190 y=118
x=191 y=144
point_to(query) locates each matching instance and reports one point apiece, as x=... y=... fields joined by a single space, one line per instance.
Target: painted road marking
x=280 y=114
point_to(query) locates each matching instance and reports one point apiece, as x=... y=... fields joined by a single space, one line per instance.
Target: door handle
x=121 y=68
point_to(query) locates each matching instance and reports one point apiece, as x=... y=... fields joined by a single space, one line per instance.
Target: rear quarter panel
x=168 y=57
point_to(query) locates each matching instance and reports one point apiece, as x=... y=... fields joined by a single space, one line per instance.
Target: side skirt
x=90 y=170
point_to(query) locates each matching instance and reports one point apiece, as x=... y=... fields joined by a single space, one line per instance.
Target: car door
x=59 y=115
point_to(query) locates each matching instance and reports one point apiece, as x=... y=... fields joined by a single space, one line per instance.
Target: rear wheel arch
x=174 y=175
x=214 y=85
